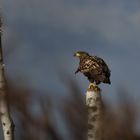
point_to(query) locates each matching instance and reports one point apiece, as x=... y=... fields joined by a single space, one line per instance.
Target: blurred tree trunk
x=7 y=123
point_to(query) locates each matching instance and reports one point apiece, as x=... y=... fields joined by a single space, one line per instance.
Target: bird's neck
x=83 y=57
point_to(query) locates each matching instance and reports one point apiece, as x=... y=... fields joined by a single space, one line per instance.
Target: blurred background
x=40 y=37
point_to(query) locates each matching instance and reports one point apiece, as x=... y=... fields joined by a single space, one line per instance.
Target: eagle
x=93 y=67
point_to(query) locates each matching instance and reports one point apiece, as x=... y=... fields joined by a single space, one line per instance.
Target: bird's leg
x=77 y=70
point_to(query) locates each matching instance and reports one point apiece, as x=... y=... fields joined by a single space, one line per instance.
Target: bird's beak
x=76 y=54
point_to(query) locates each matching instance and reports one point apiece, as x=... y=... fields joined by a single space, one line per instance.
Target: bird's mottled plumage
x=93 y=67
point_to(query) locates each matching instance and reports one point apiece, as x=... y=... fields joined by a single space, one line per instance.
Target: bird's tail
x=107 y=81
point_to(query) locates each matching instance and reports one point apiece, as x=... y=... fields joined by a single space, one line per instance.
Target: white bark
x=7 y=123
x=94 y=105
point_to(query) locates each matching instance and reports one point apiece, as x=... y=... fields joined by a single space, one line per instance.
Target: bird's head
x=81 y=54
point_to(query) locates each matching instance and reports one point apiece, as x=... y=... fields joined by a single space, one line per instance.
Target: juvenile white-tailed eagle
x=93 y=67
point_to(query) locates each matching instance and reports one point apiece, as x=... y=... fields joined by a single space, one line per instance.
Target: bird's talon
x=93 y=87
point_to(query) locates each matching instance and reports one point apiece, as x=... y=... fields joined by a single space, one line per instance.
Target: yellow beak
x=76 y=54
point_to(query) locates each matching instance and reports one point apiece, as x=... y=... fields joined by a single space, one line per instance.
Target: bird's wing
x=90 y=65
x=102 y=64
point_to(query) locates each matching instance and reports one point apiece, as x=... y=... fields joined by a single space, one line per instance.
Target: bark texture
x=94 y=105
x=7 y=123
